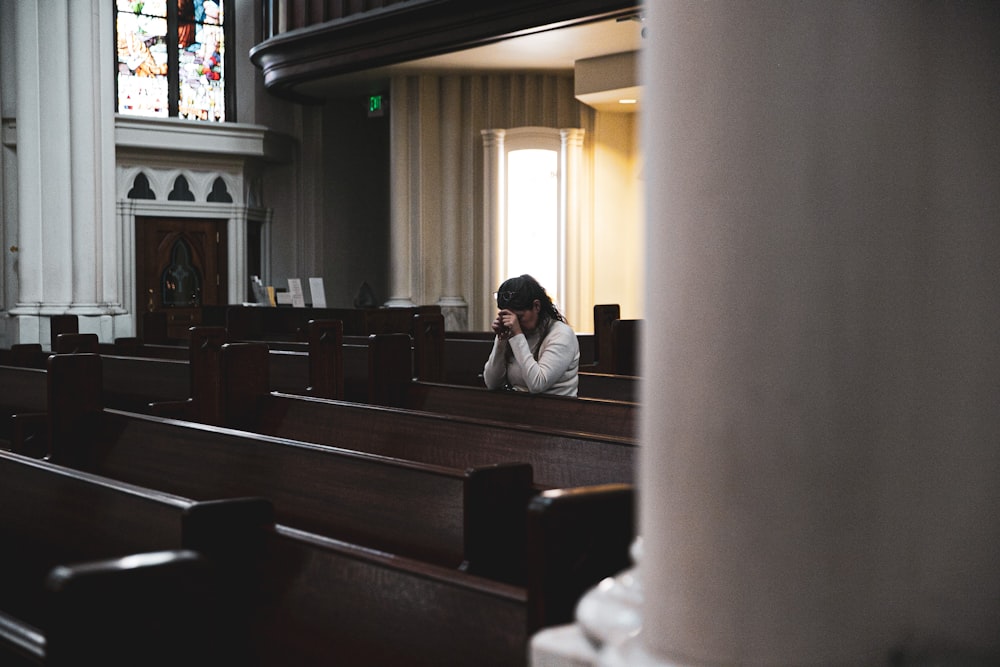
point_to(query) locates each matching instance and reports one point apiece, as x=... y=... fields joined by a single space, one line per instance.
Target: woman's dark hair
x=520 y=293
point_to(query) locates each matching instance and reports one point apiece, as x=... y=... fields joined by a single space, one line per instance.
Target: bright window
x=171 y=59
x=532 y=231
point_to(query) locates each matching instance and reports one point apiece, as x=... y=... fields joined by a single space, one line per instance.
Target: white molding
x=173 y=135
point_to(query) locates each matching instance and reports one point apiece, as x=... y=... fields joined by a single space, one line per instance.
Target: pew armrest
x=149 y=608
x=29 y=433
x=576 y=538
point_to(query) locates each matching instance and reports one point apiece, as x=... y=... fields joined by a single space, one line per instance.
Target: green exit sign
x=376 y=106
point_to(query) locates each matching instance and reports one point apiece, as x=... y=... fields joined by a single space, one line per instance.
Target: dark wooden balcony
x=308 y=40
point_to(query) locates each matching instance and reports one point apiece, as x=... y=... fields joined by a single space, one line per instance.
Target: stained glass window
x=171 y=58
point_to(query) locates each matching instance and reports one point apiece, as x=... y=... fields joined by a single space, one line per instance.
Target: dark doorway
x=180 y=267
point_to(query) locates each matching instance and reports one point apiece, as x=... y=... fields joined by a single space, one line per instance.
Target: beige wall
x=618 y=263
x=609 y=242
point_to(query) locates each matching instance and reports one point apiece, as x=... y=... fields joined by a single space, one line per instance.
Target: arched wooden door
x=180 y=267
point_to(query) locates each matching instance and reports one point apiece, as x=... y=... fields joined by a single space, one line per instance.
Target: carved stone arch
x=181 y=190
x=141 y=188
x=220 y=192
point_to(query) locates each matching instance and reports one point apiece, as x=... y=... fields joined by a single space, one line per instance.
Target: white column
x=65 y=150
x=819 y=461
x=494 y=214
x=44 y=203
x=400 y=267
x=453 y=304
x=238 y=277
x=91 y=159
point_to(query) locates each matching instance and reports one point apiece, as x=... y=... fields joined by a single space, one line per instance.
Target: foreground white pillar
x=454 y=307
x=819 y=469
x=819 y=479
x=68 y=236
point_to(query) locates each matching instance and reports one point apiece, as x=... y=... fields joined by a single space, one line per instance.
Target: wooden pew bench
x=321 y=601
x=581 y=415
x=22 y=391
x=115 y=611
x=611 y=387
x=294 y=598
x=378 y=609
x=605 y=429
x=468 y=517
x=465 y=358
x=132 y=383
x=23 y=355
x=374 y=372
x=52 y=516
x=558 y=458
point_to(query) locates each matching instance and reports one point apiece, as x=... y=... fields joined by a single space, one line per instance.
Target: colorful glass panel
x=201 y=48
x=142 y=57
x=146 y=52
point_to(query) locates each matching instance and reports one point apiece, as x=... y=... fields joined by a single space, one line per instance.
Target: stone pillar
x=818 y=479
x=401 y=247
x=494 y=187
x=819 y=470
x=453 y=305
x=68 y=238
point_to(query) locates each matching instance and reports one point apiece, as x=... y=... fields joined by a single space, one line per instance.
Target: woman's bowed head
x=523 y=306
x=535 y=350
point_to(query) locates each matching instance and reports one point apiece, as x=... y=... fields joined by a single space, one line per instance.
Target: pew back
x=580 y=415
x=326 y=602
x=461 y=517
x=52 y=516
x=558 y=458
x=22 y=390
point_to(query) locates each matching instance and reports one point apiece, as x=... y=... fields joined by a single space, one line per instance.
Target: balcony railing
x=280 y=16
x=307 y=40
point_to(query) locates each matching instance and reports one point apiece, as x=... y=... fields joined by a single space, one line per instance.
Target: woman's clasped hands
x=506 y=324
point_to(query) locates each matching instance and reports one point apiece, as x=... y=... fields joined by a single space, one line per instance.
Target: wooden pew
x=136 y=378
x=606 y=453
x=115 y=611
x=602 y=454
x=24 y=355
x=604 y=345
x=558 y=458
x=375 y=372
x=293 y=597
x=611 y=387
x=132 y=383
x=464 y=359
x=52 y=516
x=627 y=338
x=386 y=610
x=23 y=391
x=590 y=542
x=320 y=601
x=580 y=415
x=72 y=343
x=469 y=517
x=284 y=324
x=62 y=324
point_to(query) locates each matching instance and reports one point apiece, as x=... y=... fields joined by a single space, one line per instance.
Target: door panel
x=180 y=267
